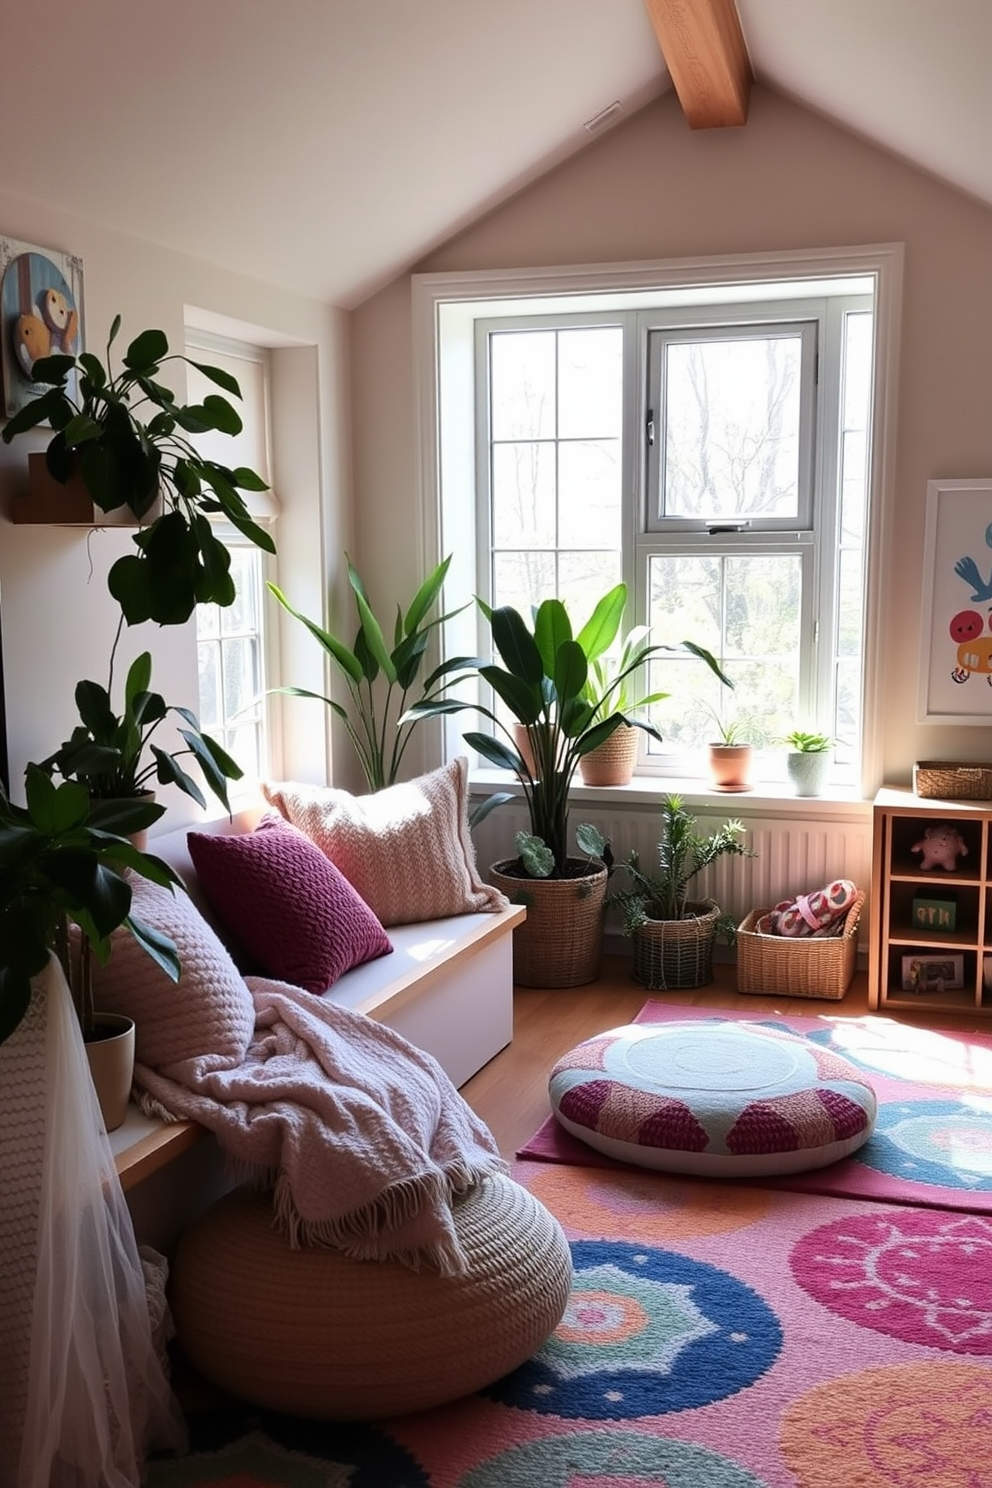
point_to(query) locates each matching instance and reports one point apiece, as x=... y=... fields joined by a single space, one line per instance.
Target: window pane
x=523 y=384
x=589 y=480
x=731 y=416
x=523 y=579
x=583 y=579
x=590 y=382
x=746 y=611
x=208 y=660
x=524 y=495
x=240 y=675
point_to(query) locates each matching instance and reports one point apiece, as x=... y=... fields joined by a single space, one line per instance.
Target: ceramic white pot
x=110 y=1052
x=809 y=771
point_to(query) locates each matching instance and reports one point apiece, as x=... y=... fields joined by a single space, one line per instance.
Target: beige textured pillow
x=406 y=849
x=208 y=1015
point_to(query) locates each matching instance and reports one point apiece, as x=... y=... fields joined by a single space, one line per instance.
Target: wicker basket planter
x=613 y=761
x=677 y=953
x=560 y=944
x=814 y=966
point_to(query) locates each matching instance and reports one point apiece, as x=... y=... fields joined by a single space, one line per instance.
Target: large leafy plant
x=380 y=676
x=128 y=436
x=543 y=683
x=62 y=862
x=113 y=756
x=683 y=852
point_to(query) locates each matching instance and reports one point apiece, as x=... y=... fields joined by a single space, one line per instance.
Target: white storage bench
x=447 y=987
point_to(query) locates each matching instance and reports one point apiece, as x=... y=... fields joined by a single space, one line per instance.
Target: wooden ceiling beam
x=705 y=53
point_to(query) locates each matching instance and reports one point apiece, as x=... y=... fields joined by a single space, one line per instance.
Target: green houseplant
x=127 y=435
x=730 y=753
x=380 y=676
x=673 y=934
x=542 y=682
x=113 y=756
x=62 y=862
x=808 y=761
x=612 y=685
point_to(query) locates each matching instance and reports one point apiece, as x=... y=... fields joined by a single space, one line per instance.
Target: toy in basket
x=803 y=947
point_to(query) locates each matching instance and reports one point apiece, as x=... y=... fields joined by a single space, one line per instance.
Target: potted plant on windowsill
x=730 y=754
x=542 y=683
x=127 y=459
x=611 y=684
x=809 y=760
x=674 y=935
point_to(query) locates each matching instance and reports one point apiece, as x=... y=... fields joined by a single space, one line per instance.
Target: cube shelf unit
x=900 y=819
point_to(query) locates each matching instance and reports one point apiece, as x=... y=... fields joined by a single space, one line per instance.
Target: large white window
x=711 y=445
x=231 y=639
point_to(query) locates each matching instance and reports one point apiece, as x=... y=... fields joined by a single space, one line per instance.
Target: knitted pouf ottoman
x=315 y=1333
x=716 y=1098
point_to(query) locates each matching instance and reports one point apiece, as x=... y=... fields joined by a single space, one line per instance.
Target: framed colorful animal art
x=955 y=683
x=41 y=314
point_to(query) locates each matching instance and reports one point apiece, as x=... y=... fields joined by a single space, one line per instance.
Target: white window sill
x=769 y=798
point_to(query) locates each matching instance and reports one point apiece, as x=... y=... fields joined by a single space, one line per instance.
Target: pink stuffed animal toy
x=941 y=846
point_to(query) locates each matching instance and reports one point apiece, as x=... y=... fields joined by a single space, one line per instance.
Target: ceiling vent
x=605 y=116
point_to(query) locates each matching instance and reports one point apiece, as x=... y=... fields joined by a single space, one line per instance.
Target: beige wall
x=654 y=189
x=58 y=621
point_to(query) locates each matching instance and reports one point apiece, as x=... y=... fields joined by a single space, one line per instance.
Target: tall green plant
x=380 y=677
x=543 y=683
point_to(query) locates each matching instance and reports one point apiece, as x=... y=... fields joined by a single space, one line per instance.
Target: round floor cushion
x=315 y=1333
x=716 y=1098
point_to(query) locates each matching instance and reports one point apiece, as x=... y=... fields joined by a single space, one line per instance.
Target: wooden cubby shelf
x=930 y=958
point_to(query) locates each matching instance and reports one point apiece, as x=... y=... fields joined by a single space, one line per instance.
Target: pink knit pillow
x=280 y=898
x=406 y=849
x=207 y=1015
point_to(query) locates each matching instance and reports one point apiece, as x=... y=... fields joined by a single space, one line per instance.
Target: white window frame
x=217 y=350
x=446 y=307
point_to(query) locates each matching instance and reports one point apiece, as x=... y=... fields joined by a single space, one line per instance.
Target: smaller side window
x=230 y=653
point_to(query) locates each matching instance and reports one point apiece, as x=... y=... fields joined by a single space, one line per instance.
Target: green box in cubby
x=936 y=915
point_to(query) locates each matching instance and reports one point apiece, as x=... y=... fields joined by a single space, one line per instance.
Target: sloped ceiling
x=328 y=144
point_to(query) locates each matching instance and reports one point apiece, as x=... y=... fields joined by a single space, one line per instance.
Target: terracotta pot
x=730 y=766
x=560 y=944
x=613 y=761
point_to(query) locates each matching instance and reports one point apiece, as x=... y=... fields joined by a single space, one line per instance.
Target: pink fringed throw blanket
x=362 y=1135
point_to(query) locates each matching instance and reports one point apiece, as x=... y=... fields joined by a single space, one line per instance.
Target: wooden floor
x=511 y=1092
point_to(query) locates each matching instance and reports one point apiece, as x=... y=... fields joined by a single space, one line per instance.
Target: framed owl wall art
x=41 y=314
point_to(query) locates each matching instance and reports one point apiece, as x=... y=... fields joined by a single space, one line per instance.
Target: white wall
x=58 y=620
x=653 y=188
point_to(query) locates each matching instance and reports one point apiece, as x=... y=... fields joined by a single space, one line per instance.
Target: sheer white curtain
x=83 y=1394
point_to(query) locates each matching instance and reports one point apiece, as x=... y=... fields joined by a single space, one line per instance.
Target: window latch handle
x=714 y=528
x=649 y=428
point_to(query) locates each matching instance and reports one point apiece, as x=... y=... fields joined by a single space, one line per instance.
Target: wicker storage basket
x=947 y=781
x=677 y=953
x=813 y=966
x=560 y=944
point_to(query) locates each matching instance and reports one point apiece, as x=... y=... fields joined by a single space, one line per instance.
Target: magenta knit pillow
x=406 y=849
x=286 y=904
x=207 y=1015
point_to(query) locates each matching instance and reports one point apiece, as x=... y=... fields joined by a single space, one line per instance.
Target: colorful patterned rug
x=932 y=1142
x=718 y=1336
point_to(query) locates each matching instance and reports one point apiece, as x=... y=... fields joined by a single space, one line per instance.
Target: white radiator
x=793 y=854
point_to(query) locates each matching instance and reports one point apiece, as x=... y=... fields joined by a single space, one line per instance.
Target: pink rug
x=932 y=1142
x=717 y=1336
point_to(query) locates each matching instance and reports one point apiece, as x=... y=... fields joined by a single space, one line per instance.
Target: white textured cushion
x=208 y=1015
x=721 y=1099
x=406 y=849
